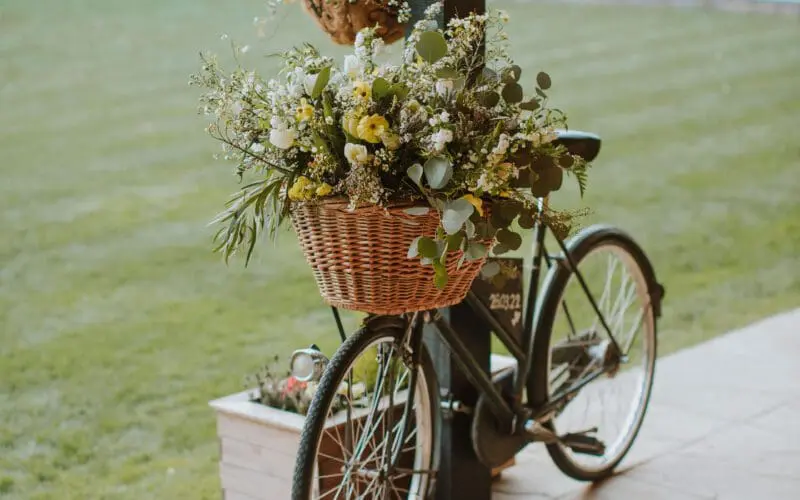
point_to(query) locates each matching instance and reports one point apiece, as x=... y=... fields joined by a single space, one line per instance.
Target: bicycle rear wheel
x=572 y=346
x=357 y=416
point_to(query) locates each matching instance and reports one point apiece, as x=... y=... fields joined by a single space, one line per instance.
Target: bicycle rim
x=615 y=403
x=363 y=417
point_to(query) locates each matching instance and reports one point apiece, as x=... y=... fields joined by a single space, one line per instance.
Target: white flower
x=360 y=39
x=444 y=87
x=257 y=148
x=356 y=153
x=444 y=117
x=308 y=82
x=441 y=138
x=502 y=145
x=353 y=66
x=282 y=137
x=377 y=46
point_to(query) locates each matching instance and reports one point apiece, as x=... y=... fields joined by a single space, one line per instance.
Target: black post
x=461 y=476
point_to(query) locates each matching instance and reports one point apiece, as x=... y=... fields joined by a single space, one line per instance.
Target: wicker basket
x=360 y=258
x=343 y=19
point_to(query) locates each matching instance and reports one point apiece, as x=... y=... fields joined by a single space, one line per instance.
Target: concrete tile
x=699 y=474
x=784 y=419
x=711 y=393
x=754 y=451
x=536 y=475
x=623 y=486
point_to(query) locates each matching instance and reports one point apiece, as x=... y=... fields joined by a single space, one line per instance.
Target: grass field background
x=117 y=323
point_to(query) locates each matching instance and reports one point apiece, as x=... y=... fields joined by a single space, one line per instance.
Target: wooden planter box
x=258 y=445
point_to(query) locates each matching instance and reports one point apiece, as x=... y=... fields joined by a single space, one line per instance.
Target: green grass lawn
x=117 y=323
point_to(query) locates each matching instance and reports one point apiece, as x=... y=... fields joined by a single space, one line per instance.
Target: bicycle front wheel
x=363 y=438
x=610 y=356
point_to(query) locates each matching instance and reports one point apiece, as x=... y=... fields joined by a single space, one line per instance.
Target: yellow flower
x=305 y=111
x=476 y=202
x=350 y=124
x=324 y=189
x=371 y=128
x=391 y=141
x=298 y=190
x=362 y=90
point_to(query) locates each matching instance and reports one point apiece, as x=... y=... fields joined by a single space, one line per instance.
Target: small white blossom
x=441 y=138
x=444 y=87
x=309 y=82
x=282 y=138
x=257 y=148
x=356 y=153
x=353 y=66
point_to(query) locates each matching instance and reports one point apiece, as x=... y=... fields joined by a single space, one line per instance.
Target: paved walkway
x=724 y=423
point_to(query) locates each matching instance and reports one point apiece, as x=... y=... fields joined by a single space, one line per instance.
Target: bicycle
x=383 y=413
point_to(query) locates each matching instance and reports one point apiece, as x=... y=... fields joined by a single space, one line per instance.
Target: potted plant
x=259 y=430
x=398 y=179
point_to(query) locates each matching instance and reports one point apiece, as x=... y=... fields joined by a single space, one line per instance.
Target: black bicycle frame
x=504 y=411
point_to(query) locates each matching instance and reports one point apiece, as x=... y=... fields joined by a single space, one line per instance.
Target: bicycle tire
x=338 y=367
x=557 y=280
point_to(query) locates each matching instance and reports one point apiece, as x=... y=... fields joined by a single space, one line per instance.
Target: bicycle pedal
x=583 y=443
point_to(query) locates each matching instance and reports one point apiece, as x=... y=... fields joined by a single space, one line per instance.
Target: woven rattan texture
x=342 y=20
x=360 y=258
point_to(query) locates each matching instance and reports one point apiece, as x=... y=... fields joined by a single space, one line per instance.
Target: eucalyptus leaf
x=447 y=73
x=512 y=93
x=566 y=161
x=547 y=181
x=499 y=249
x=490 y=269
x=431 y=46
x=417 y=210
x=488 y=98
x=438 y=172
x=322 y=80
x=400 y=90
x=380 y=88
x=531 y=105
x=526 y=220
x=512 y=74
x=476 y=250
x=509 y=239
x=469 y=227
x=455 y=214
x=415 y=172
x=413 y=248
x=543 y=80
x=427 y=248
x=454 y=240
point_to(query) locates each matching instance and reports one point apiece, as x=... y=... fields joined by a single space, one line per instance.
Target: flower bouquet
x=398 y=178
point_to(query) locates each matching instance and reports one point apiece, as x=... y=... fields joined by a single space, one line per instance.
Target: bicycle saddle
x=582 y=144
